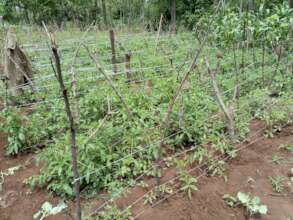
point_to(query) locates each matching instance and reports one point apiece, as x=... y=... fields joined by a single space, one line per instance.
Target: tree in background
x=122 y=12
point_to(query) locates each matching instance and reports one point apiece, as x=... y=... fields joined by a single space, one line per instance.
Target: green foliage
x=15 y=130
x=270 y=24
x=27 y=132
x=123 y=149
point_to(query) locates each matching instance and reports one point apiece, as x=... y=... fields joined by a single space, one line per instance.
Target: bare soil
x=248 y=173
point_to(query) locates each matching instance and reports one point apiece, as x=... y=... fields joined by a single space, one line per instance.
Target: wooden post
x=71 y=124
x=127 y=66
x=113 y=50
x=148 y=87
x=173 y=17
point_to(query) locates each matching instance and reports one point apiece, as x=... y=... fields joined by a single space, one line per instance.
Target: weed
x=277 y=183
x=287 y=147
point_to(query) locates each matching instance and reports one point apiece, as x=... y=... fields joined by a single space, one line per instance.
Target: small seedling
x=142 y=184
x=277 y=183
x=277 y=159
x=163 y=189
x=9 y=172
x=251 y=204
x=150 y=198
x=188 y=184
x=47 y=209
x=288 y=147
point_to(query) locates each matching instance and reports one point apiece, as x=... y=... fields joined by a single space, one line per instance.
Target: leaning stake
x=58 y=73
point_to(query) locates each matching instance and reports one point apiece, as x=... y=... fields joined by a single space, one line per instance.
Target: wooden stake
x=71 y=124
x=113 y=50
x=148 y=87
x=127 y=66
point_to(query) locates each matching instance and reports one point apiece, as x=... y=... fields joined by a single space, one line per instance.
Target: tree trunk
x=104 y=11
x=173 y=17
x=250 y=5
x=17 y=67
x=290 y=3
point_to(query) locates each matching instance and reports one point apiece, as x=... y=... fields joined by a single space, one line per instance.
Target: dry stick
x=71 y=124
x=100 y=69
x=113 y=50
x=159 y=31
x=226 y=111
